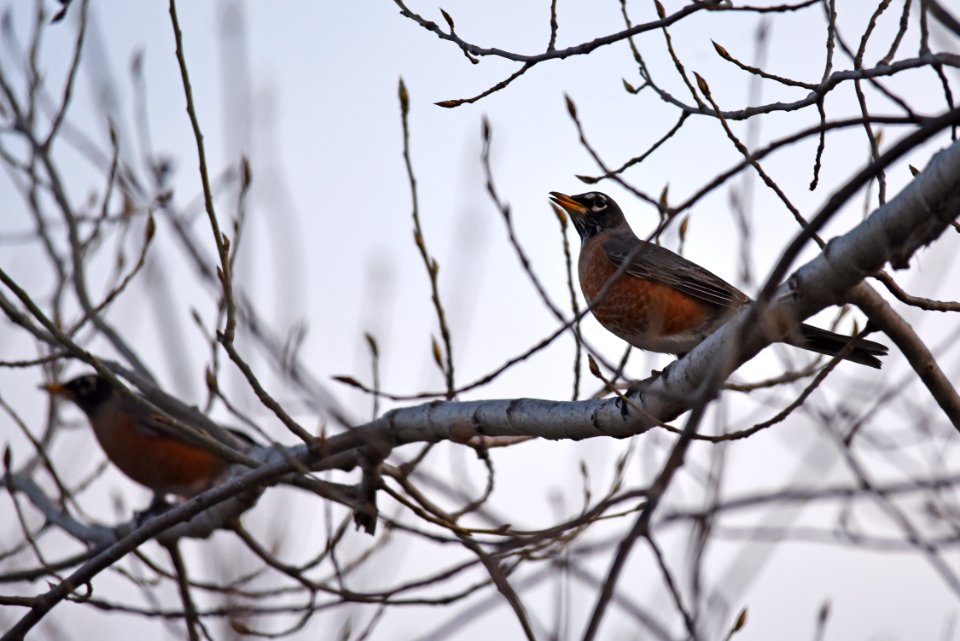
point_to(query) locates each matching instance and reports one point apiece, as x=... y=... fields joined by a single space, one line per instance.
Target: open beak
x=55 y=388
x=570 y=205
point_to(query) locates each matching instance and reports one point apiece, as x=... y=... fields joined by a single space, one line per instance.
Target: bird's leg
x=159 y=503
x=157 y=506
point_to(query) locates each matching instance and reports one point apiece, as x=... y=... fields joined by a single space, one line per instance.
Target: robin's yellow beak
x=568 y=203
x=55 y=388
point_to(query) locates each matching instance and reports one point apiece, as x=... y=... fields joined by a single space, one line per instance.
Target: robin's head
x=591 y=212
x=88 y=392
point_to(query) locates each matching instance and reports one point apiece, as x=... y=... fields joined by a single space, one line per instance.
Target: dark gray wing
x=662 y=266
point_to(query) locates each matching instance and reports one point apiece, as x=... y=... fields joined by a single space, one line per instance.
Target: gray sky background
x=308 y=91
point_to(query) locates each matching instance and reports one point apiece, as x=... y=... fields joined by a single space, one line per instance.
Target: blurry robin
x=139 y=445
x=662 y=302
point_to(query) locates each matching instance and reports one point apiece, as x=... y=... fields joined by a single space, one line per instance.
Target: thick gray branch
x=914 y=218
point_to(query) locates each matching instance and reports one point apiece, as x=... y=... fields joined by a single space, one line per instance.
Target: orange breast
x=163 y=464
x=634 y=307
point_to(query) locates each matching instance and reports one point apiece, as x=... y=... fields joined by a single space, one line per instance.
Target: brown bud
x=404 y=98
x=446 y=16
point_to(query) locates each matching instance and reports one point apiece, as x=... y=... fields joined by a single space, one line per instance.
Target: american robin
x=134 y=440
x=663 y=302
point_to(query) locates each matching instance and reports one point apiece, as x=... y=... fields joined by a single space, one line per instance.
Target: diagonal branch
x=915 y=217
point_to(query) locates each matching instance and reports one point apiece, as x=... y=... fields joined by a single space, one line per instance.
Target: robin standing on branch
x=137 y=442
x=661 y=301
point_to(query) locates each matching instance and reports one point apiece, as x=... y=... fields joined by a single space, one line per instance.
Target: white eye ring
x=599 y=204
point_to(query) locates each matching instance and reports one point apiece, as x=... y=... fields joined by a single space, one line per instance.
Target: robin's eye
x=599 y=203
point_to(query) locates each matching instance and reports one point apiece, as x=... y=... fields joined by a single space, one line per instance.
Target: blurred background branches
x=231 y=247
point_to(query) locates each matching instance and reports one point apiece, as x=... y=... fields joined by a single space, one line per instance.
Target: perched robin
x=134 y=440
x=662 y=302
